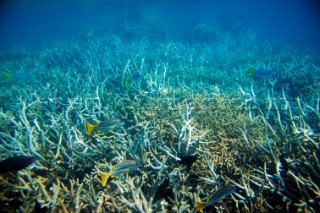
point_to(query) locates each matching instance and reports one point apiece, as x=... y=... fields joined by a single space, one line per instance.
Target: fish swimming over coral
x=105 y=126
x=134 y=78
x=120 y=168
x=7 y=77
x=258 y=72
x=15 y=163
x=215 y=197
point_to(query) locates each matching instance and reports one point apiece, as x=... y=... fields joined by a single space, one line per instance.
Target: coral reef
x=259 y=135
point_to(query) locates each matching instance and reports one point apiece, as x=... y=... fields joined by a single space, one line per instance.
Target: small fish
x=120 y=168
x=188 y=160
x=258 y=72
x=133 y=78
x=105 y=126
x=5 y=77
x=217 y=196
x=15 y=163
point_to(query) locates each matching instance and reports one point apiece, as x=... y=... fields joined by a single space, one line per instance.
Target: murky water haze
x=30 y=22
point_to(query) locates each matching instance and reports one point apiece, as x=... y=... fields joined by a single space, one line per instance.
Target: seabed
x=260 y=133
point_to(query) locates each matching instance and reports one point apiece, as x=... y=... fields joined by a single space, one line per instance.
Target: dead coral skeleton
x=251 y=134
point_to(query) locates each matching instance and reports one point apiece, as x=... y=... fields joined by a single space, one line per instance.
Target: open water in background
x=37 y=22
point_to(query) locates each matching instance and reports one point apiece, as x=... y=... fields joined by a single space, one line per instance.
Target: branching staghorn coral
x=251 y=133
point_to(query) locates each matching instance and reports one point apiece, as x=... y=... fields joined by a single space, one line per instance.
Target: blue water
x=39 y=22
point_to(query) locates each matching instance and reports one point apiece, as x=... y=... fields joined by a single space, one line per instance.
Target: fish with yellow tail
x=217 y=196
x=105 y=126
x=10 y=77
x=252 y=72
x=120 y=168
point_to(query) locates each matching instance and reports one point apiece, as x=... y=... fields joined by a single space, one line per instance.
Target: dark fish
x=15 y=163
x=39 y=209
x=164 y=191
x=263 y=72
x=217 y=196
x=137 y=77
x=188 y=160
